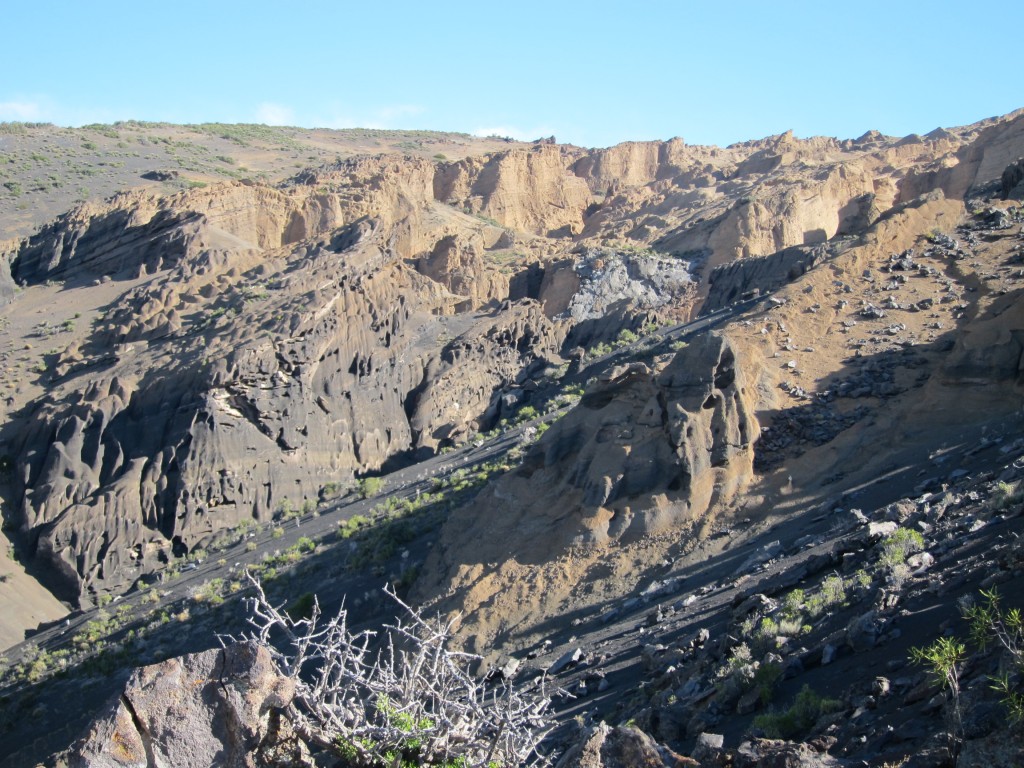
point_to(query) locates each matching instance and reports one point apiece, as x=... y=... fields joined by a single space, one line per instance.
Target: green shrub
x=799 y=718
x=832 y=592
x=991 y=624
x=302 y=607
x=627 y=336
x=793 y=603
x=368 y=487
x=897 y=547
x=1006 y=495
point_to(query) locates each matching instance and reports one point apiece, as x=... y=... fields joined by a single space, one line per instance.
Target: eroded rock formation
x=218 y=707
x=247 y=345
x=644 y=453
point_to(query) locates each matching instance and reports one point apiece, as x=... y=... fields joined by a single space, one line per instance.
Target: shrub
x=369 y=487
x=801 y=716
x=413 y=702
x=347 y=528
x=1006 y=495
x=627 y=336
x=944 y=657
x=990 y=623
x=832 y=592
x=527 y=413
x=896 y=548
x=738 y=673
x=792 y=603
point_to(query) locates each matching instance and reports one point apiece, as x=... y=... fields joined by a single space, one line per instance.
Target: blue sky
x=591 y=73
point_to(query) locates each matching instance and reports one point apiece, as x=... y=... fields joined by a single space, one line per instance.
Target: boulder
x=771 y=753
x=621 y=747
x=217 y=707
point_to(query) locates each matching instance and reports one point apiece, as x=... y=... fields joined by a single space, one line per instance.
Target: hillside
x=46 y=169
x=255 y=340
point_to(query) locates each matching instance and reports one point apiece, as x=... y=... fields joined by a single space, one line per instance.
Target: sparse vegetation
x=799 y=718
x=368 y=487
x=414 y=703
x=991 y=624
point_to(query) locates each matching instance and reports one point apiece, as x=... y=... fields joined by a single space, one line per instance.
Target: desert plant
x=1006 y=495
x=831 y=593
x=411 y=701
x=990 y=623
x=944 y=658
x=799 y=718
x=897 y=547
x=627 y=336
x=369 y=487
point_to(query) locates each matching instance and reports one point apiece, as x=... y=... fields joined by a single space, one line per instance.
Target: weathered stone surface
x=251 y=371
x=643 y=453
x=621 y=747
x=205 y=709
x=1012 y=180
x=740 y=279
x=769 y=753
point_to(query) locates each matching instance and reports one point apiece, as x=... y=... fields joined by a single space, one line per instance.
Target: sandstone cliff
x=230 y=351
x=646 y=456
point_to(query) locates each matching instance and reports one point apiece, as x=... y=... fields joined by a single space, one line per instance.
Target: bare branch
x=403 y=696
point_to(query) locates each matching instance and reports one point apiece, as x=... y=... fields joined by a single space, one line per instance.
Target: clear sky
x=592 y=73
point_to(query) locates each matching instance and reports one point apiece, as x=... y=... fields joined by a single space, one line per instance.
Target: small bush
x=992 y=624
x=1006 y=495
x=369 y=487
x=896 y=548
x=627 y=336
x=793 y=603
x=796 y=721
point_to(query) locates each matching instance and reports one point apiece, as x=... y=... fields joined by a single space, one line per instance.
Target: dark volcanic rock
x=242 y=378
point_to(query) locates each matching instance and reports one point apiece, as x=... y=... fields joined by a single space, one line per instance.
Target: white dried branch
x=410 y=696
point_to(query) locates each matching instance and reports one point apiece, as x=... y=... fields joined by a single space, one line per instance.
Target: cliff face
x=229 y=351
x=646 y=453
x=271 y=343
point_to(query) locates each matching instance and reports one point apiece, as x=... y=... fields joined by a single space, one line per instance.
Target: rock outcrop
x=621 y=747
x=644 y=453
x=251 y=362
x=218 y=707
x=257 y=343
x=526 y=190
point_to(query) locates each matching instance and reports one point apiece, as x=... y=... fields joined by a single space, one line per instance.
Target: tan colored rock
x=527 y=190
x=643 y=454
